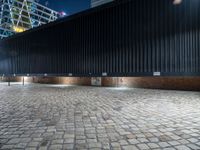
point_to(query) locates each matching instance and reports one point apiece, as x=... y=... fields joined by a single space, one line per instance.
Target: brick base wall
x=171 y=83
x=63 y=80
x=51 y=80
x=11 y=79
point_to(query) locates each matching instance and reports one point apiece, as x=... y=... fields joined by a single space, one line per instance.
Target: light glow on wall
x=177 y=2
x=26 y=79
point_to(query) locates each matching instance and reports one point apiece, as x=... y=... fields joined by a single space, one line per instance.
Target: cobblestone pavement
x=58 y=117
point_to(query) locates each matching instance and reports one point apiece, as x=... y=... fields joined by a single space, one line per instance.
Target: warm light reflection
x=26 y=79
x=19 y=29
x=59 y=85
x=121 y=88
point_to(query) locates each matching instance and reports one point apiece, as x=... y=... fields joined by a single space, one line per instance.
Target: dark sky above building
x=68 y=6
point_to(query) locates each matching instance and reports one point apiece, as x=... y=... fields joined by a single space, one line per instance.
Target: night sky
x=68 y=6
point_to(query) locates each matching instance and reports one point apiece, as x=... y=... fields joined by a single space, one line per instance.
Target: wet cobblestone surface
x=46 y=117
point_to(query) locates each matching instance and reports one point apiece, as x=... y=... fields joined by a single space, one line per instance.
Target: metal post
x=23 y=81
x=8 y=81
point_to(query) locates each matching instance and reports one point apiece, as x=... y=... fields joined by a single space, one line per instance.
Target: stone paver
x=45 y=117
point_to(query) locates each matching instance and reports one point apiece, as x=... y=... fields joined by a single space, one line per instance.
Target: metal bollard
x=23 y=81
x=8 y=81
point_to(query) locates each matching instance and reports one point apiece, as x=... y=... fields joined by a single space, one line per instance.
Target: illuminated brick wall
x=168 y=83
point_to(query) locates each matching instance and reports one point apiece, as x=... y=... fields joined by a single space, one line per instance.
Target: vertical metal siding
x=125 y=38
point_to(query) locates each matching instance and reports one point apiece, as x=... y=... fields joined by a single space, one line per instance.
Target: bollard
x=8 y=81
x=23 y=81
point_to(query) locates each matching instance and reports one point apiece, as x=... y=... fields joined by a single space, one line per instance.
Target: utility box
x=96 y=81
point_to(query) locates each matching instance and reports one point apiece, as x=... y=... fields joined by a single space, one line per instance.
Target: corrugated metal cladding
x=124 y=38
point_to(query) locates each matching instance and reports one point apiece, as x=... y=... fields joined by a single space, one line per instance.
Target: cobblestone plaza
x=73 y=117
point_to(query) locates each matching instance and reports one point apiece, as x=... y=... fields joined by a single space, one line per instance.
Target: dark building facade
x=122 y=38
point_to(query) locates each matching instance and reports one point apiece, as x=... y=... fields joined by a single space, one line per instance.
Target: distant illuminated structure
x=95 y=3
x=20 y=15
x=62 y=14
